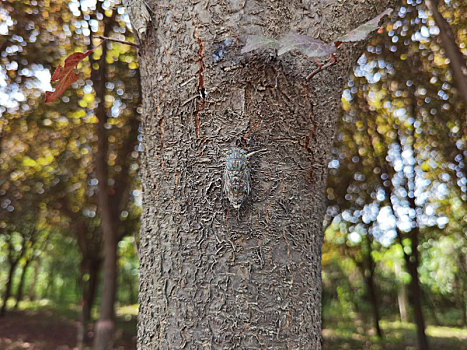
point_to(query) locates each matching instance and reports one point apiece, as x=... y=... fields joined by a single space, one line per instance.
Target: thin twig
x=254 y=152
x=190 y=99
x=116 y=40
x=332 y=61
x=186 y=82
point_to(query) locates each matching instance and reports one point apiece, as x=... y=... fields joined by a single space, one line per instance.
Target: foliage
x=398 y=164
x=47 y=161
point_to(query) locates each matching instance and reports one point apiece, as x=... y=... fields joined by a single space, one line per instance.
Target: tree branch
x=116 y=40
x=332 y=61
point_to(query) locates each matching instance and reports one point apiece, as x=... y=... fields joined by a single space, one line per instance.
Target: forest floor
x=397 y=336
x=56 y=329
x=47 y=328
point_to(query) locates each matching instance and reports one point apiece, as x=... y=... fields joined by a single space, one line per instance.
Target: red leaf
x=65 y=75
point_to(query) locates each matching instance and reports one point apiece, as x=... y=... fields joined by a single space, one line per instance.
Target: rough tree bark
x=211 y=276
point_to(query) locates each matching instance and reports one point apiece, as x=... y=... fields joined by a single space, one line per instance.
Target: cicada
x=236 y=176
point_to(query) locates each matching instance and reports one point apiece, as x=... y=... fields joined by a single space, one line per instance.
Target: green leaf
x=257 y=42
x=307 y=45
x=362 y=31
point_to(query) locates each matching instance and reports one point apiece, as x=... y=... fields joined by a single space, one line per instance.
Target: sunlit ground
x=40 y=325
x=397 y=336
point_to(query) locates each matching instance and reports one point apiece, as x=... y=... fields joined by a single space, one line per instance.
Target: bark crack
x=162 y=131
x=202 y=92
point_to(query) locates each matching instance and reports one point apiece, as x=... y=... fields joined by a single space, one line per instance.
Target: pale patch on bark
x=139 y=16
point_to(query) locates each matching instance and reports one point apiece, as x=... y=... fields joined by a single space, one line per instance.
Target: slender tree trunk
x=412 y=259
x=32 y=287
x=412 y=263
x=112 y=199
x=88 y=296
x=371 y=287
x=92 y=286
x=416 y=299
x=461 y=297
x=50 y=289
x=366 y=266
x=403 y=303
x=212 y=276
x=19 y=292
x=89 y=242
x=463 y=307
x=9 y=282
x=401 y=295
x=374 y=306
x=461 y=282
x=451 y=49
x=106 y=324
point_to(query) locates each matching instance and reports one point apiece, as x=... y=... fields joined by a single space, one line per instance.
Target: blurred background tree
x=394 y=259
x=398 y=172
x=58 y=159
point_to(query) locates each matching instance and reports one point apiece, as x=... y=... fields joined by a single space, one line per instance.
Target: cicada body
x=236 y=176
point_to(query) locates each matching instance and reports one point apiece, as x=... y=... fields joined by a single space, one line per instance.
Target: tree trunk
x=113 y=194
x=416 y=298
x=374 y=305
x=32 y=287
x=106 y=324
x=91 y=266
x=50 y=289
x=401 y=295
x=369 y=278
x=9 y=282
x=19 y=292
x=366 y=265
x=412 y=259
x=90 y=295
x=451 y=50
x=212 y=276
x=461 y=285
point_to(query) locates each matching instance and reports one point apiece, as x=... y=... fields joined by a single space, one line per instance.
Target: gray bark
x=212 y=277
